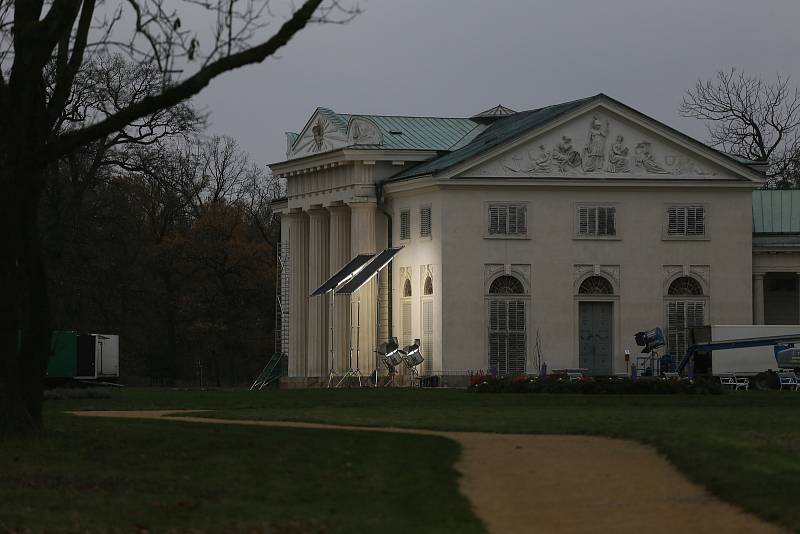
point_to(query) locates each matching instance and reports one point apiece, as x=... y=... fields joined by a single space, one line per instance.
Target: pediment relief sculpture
x=362 y=131
x=595 y=155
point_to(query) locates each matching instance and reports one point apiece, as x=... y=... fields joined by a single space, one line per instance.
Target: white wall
x=552 y=253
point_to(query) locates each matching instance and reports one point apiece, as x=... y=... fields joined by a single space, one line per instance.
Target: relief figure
x=540 y=161
x=566 y=157
x=646 y=160
x=595 y=150
x=618 y=160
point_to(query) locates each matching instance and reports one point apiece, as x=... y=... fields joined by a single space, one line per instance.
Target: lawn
x=742 y=446
x=91 y=475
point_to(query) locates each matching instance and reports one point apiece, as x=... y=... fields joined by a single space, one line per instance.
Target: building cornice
x=563 y=183
x=345 y=156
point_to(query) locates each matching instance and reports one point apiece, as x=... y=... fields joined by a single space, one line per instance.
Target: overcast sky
x=459 y=57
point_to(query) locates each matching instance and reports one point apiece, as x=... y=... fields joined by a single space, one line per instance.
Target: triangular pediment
x=327 y=130
x=324 y=131
x=604 y=140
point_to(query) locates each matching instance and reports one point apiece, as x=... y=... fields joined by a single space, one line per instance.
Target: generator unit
x=76 y=355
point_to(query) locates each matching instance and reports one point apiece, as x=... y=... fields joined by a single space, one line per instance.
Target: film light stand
x=353 y=371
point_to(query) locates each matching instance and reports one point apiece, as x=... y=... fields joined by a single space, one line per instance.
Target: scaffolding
x=278 y=364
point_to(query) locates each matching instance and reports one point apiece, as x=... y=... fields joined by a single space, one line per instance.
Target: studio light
x=650 y=339
x=390 y=352
x=412 y=356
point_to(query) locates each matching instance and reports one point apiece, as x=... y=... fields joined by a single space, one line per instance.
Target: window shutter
x=425 y=222
x=611 y=221
x=502 y=220
x=676 y=328
x=516 y=219
x=405 y=313
x=427 y=335
x=405 y=224
x=597 y=220
x=513 y=221
x=695 y=313
x=695 y=221
x=494 y=219
x=583 y=220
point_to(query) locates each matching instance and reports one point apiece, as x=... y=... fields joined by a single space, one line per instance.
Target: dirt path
x=524 y=483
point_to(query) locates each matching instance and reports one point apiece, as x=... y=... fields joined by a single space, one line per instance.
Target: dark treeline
x=168 y=242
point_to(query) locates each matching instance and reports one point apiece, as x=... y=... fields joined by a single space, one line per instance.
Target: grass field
x=93 y=474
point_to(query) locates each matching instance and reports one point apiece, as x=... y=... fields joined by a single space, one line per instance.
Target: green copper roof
x=776 y=212
x=419 y=133
x=501 y=131
x=408 y=133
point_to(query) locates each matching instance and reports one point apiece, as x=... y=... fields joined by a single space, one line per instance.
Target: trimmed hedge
x=591 y=386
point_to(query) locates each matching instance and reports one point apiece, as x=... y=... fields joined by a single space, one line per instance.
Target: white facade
x=607 y=222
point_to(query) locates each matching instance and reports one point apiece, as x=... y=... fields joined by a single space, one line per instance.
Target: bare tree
x=750 y=118
x=45 y=45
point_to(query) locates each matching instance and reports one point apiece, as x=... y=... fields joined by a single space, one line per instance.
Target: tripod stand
x=353 y=371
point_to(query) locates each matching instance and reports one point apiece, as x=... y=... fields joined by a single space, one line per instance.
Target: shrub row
x=616 y=386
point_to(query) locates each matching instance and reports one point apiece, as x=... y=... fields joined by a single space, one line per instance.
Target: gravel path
x=526 y=483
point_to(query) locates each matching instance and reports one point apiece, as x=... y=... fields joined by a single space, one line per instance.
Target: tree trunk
x=25 y=328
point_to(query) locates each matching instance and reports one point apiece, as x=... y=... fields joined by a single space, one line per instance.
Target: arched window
x=686 y=307
x=596 y=285
x=506 y=285
x=428 y=286
x=685 y=285
x=507 y=326
x=405 y=313
x=407 y=288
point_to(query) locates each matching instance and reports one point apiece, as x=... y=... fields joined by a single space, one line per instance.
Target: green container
x=63 y=355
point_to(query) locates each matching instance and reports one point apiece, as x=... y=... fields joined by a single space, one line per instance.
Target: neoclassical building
x=551 y=234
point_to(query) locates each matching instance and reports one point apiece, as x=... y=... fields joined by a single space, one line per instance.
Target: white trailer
x=747 y=360
x=97 y=357
x=107 y=355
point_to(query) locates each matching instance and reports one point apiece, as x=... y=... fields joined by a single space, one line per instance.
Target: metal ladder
x=271 y=372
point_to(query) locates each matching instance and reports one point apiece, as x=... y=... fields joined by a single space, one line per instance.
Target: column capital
x=760 y=276
x=317 y=210
x=363 y=204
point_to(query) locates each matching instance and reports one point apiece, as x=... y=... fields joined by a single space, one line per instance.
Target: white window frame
x=430 y=221
x=507 y=206
x=596 y=206
x=407 y=213
x=685 y=235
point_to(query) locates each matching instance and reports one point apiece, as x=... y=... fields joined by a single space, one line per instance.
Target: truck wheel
x=764 y=381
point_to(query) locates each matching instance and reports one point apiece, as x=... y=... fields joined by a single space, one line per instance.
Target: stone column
x=758 y=298
x=318 y=257
x=340 y=255
x=298 y=293
x=362 y=241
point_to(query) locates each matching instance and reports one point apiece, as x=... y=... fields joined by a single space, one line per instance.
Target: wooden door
x=595 y=341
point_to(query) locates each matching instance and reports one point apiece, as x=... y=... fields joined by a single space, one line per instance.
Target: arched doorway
x=595 y=325
x=507 y=325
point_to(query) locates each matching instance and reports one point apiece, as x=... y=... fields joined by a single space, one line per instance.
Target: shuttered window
x=508 y=219
x=405 y=224
x=427 y=336
x=425 y=222
x=507 y=336
x=686 y=221
x=682 y=315
x=597 y=221
x=507 y=330
x=405 y=320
